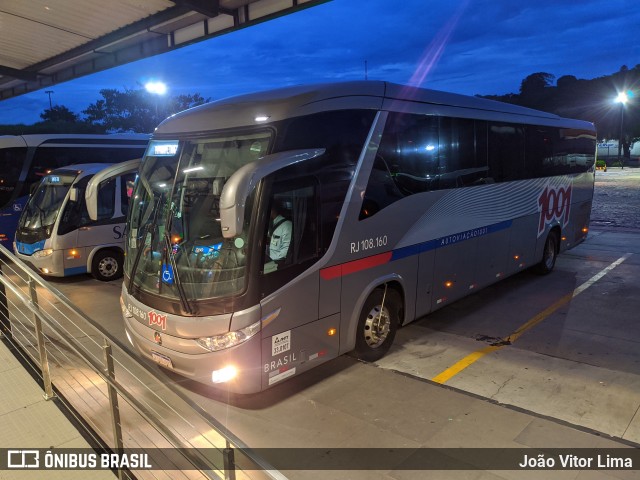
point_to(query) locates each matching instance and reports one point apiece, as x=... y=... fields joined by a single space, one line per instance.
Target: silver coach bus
x=271 y=232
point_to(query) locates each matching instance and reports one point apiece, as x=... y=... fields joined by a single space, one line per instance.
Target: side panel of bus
x=439 y=245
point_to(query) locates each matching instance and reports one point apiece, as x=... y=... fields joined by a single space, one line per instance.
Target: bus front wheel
x=107 y=265
x=378 y=324
x=549 y=255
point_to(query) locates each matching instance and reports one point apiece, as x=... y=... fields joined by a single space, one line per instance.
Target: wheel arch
x=394 y=281
x=114 y=247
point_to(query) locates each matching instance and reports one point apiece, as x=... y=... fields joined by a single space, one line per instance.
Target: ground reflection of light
x=436 y=48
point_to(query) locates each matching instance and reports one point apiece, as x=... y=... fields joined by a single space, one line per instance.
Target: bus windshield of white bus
x=43 y=206
x=175 y=242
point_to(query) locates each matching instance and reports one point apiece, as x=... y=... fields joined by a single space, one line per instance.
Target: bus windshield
x=175 y=247
x=44 y=205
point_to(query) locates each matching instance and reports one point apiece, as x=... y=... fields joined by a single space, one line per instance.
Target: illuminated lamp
x=224 y=375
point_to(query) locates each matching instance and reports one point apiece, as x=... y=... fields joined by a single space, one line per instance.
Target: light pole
x=622 y=99
x=49 y=92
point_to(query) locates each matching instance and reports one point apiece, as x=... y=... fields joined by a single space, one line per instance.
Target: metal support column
x=113 y=402
x=229 y=463
x=42 y=350
x=5 y=323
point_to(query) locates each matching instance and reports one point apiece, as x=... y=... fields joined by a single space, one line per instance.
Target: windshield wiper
x=176 y=277
x=136 y=261
x=144 y=231
x=41 y=213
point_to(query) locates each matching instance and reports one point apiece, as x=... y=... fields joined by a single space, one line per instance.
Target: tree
x=183 y=102
x=59 y=113
x=566 y=82
x=533 y=89
x=136 y=110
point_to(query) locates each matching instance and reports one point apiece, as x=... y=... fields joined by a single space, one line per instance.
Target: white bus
x=396 y=201
x=25 y=159
x=74 y=222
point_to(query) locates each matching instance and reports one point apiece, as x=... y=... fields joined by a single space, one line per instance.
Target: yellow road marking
x=477 y=355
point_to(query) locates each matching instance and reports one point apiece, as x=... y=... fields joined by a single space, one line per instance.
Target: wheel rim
x=549 y=253
x=108 y=267
x=377 y=326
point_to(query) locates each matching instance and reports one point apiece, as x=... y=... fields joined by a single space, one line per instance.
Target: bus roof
x=278 y=104
x=36 y=139
x=83 y=168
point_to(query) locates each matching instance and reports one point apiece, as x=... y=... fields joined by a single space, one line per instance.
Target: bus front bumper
x=52 y=265
x=236 y=369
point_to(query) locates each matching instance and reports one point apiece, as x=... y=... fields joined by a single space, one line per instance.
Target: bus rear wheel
x=107 y=265
x=549 y=255
x=378 y=324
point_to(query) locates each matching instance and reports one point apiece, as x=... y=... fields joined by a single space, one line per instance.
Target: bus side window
x=126 y=190
x=106 y=199
x=506 y=152
x=406 y=163
x=462 y=161
x=291 y=237
x=75 y=214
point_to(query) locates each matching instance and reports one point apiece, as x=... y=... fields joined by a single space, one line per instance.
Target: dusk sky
x=464 y=46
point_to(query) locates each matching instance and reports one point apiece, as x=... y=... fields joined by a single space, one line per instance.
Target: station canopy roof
x=45 y=42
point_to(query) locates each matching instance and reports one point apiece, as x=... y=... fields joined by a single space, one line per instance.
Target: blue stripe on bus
x=29 y=249
x=365 y=263
x=418 y=248
x=75 y=270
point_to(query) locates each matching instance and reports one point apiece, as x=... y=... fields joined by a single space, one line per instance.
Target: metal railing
x=121 y=401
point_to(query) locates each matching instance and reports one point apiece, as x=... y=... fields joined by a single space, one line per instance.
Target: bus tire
x=378 y=324
x=107 y=265
x=549 y=254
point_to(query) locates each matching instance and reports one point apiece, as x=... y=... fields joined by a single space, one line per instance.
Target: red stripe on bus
x=348 y=268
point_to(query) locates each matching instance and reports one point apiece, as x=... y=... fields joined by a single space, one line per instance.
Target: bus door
x=300 y=318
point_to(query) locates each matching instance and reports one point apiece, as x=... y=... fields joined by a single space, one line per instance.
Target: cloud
x=489 y=48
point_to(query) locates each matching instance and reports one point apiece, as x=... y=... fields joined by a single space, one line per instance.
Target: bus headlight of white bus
x=43 y=253
x=230 y=339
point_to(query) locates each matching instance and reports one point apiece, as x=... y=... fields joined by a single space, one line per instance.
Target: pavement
x=28 y=421
x=345 y=404
x=373 y=414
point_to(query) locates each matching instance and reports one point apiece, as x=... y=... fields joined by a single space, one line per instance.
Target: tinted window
x=127 y=182
x=75 y=214
x=292 y=233
x=506 y=152
x=106 y=199
x=343 y=134
x=461 y=163
x=11 y=161
x=421 y=153
x=553 y=151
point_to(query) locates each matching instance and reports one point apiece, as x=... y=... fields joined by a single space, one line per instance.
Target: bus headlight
x=224 y=375
x=43 y=253
x=230 y=339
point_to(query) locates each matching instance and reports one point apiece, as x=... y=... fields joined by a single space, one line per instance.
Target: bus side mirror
x=73 y=194
x=240 y=185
